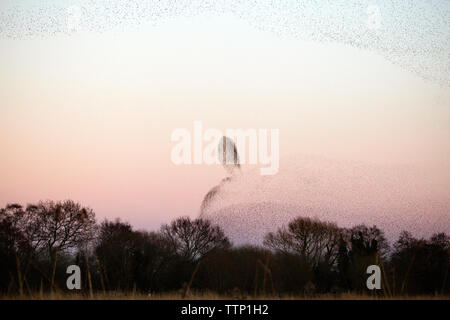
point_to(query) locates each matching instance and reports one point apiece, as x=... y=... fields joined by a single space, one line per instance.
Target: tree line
x=306 y=257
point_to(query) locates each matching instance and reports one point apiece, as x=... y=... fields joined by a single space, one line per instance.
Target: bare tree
x=193 y=239
x=12 y=243
x=63 y=225
x=19 y=233
x=368 y=240
x=315 y=241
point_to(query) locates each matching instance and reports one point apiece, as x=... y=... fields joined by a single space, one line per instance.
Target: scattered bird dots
x=411 y=34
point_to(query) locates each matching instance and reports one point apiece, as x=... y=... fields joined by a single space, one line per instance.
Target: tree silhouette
x=193 y=239
x=306 y=257
x=127 y=257
x=315 y=241
x=421 y=266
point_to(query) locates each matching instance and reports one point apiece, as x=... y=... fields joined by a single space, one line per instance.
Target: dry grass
x=207 y=296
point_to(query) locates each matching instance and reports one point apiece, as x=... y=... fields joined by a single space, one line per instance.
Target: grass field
x=209 y=296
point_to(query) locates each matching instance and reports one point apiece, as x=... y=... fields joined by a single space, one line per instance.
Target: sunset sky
x=88 y=115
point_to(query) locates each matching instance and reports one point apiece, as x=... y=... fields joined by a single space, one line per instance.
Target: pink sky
x=89 y=117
